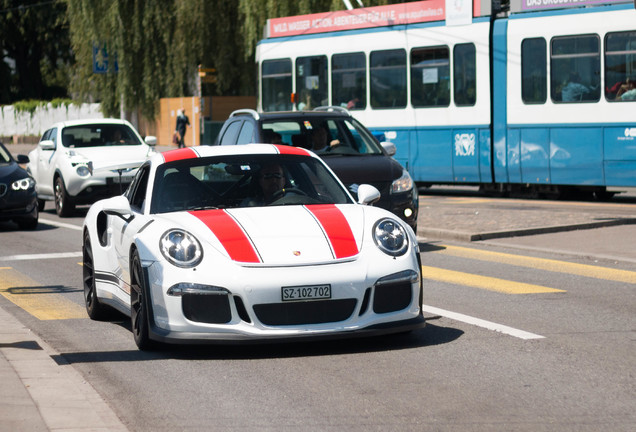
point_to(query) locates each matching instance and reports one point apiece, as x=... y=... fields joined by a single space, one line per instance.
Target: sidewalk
x=39 y=394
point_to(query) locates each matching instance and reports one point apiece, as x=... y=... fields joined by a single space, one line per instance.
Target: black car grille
x=210 y=309
x=3 y=189
x=309 y=312
x=392 y=297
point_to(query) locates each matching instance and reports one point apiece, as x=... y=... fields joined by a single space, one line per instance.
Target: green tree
x=35 y=50
x=136 y=35
x=157 y=46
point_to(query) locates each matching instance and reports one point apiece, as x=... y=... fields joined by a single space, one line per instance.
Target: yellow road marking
x=484 y=282
x=37 y=299
x=541 y=264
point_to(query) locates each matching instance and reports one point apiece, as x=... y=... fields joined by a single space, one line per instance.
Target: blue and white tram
x=535 y=99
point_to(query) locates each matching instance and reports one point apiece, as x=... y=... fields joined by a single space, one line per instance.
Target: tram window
x=575 y=69
x=311 y=82
x=464 y=75
x=276 y=85
x=620 y=66
x=388 y=78
x=430 y=77
x=349 y=80
x=534 y=89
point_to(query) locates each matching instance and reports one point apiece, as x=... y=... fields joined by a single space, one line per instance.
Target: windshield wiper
x=203 y=207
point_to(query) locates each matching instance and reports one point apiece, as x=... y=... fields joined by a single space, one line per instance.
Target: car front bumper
x=87 y=190
x=247 y=306
x=17 y=205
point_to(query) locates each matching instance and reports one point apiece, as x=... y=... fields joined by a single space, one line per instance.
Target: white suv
x=79 y=162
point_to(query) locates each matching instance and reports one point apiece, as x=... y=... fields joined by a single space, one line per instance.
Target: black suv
x=349 y=149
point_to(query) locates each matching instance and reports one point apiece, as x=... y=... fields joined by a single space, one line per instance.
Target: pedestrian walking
x=182 y=122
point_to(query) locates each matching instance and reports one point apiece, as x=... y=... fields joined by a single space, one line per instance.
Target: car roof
x=246 y=149
x=91 y=122
x=317 y=113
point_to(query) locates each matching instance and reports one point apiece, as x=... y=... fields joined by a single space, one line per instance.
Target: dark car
x=18 y=201
x=347 y=147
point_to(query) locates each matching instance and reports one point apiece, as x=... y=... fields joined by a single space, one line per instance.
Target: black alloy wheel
x=139 y=310
x=95 y=310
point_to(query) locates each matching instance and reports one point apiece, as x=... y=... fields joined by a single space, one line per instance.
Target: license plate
x=309 y=292
x=124 y=180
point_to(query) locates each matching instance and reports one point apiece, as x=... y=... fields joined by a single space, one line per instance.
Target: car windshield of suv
x=97 y=135
x=236 y=181
x=323 y=136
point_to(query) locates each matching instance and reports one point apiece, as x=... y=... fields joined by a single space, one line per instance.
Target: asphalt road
x=518 y=338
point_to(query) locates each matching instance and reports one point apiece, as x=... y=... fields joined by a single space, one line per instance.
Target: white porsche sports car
x=253 y=242
x=81 y=161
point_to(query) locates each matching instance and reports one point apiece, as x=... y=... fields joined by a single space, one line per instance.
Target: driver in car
x=270 y=179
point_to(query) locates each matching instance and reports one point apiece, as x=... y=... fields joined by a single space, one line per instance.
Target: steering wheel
x=284 y=191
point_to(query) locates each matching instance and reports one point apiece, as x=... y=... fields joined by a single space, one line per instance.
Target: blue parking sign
x=100 y=59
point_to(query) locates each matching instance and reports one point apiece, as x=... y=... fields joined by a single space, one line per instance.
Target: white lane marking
x=60 y=224
x=41 y=256
x=481 y=323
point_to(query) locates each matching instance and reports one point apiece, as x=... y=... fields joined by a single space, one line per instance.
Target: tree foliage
x=159 y=45
x=153 y=47
x=34 y=50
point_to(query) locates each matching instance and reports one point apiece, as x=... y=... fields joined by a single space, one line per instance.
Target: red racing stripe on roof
x=230 y=234
x=178 y=154
x=290 y=150
x=337 y=229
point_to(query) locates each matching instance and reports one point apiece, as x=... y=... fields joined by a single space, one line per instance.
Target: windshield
x=244 y=181
x=97 y=135
x=343 y=136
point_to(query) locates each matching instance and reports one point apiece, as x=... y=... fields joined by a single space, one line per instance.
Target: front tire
x=96 y=310
x=29 y=222
x=64 y=207
x=139 y=309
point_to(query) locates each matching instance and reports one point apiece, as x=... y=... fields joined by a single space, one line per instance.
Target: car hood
x=279 y=235
x=109 y=157
x=11 y=172
x=368 y=169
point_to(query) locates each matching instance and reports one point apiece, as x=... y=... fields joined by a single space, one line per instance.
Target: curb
x=442 y=234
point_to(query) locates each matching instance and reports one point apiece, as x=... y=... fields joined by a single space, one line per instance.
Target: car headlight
x=83 y=169
x=23 y=184
x=403 y=184
x=390 y=237
x=181 y=248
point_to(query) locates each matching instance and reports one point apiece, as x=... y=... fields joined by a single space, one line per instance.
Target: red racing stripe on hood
x=179 y=154
x=337 y=229
x=230 y=234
